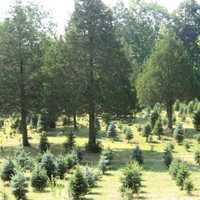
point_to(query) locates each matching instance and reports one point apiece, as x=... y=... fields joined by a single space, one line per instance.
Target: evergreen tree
x=147 y=131
x=39 y=178
x=8 y=170
x=44 y=144
x=111 y=131
x=19 y=186
x=129 y=134
x=196 y=120
x=70 y=144
x=137 y=155
x=179 y=133
x=77 y=185
x=168 y=157
x=158 y=128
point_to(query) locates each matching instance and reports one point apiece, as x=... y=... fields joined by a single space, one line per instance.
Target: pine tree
x=19 y=186
x=8 y=170
x=44 y=144
x=137 y=155
x=39 y=178
x=70 y=144
x=158 y=128
x=77 y=185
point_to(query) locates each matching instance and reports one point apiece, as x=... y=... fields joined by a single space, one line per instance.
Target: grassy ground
x=157 y=183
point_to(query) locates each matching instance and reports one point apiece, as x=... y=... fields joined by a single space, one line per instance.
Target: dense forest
x=118 y=78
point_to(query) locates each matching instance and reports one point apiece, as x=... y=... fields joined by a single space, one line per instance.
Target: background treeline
x=109 y=61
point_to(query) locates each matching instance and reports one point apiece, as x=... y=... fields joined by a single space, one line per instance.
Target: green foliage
x=128 y=134
x=108 y=155
x=153 y=118
x=179 y=133
x=42 y=122
x=167 y=157
x=186 y=145
x=8 y=170
x=39 y=178
x=78 y=186
x=190 y=107
x=198 y=138
x=48 y=162
x=177 y=105
x=137 y=155
x=174 y=167
x=34 y=121
x=103 y=164
x=69 y=145
x=44 y=144
x=19 y=186
x=197 y=157
x=147 y=131
x=111 y=131
x=158 y=128
x=131 y=179
x=188 y=186
x=62 y=166
x=23 y=159
x=71 y=160
x=196 y=120
x=169 y=147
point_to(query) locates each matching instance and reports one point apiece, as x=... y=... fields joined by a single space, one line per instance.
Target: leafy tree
x=77 y=185
x=131 y=180
x=39 y=178
x=19 y=186
x=20 y=57
x=163 y=78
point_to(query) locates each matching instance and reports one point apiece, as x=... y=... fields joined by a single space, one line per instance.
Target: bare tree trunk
x=170 y=115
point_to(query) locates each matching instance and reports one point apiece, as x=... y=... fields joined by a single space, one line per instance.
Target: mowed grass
x=157 y=183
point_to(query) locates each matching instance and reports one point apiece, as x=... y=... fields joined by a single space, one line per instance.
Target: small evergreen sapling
x=158 y=128
x=8 y=170
x=39 y=178
x=70 y=144
x=179 y=133
x=137 y=155
x=19 y=186
x=131 y=180
x=48 y=162
x=111 y=131
x=78 y=185
x=62 y=166
x=44 y=144
x=196 y=120
x=128 y=134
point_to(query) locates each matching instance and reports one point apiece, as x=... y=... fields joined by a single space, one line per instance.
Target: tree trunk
x=23 y=108
x=75 y=122
x=170 y=115
x=92 y=131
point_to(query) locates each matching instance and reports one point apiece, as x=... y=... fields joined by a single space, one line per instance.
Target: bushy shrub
x=44 y=144
x=137 y=155
x=23 y=159
x=167 y=157
x=112 y=131
x=19 y=186
x=197 y=157
x=128 y=134
x=48 y=162
x=78 y=186
x=39 y=178
x=179 y=133
x=147 y=131
x=196 y=120
x=158 y=128
x=69 y=145
x=153 y=118
x=8 y=170
x=131 y=180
